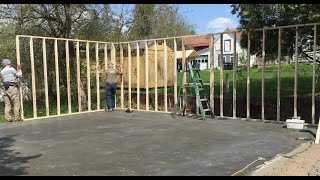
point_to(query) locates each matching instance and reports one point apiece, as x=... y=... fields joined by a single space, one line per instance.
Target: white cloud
x=220 y=24
x=124 y=29
x=116 y=17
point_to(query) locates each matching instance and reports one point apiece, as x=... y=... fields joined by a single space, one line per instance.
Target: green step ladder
x=201 y=95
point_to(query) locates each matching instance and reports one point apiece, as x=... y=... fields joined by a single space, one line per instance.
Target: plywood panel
x=151 y=68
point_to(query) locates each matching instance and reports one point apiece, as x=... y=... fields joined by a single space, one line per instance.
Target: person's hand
x=19 y=67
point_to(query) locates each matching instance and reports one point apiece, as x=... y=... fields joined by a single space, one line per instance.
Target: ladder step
x=201 y=89
x=204 y=99
x=206 y=110
x=185 y=86
x=194 y=83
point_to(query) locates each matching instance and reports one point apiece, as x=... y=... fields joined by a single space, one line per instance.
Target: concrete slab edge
x=277 y=161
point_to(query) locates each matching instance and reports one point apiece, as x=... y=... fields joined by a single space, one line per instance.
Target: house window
x=227 y=45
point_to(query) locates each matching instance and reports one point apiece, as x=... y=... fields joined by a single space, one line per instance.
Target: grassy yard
x=286 y=81
x=2 y=119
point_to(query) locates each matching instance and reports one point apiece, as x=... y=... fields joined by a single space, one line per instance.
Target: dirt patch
x=299 y=165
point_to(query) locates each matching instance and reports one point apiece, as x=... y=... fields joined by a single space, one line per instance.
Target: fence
x=156 y=61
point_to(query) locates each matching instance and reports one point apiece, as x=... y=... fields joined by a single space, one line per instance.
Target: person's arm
x=105 y=76
x=121 y=70
x=18 y=73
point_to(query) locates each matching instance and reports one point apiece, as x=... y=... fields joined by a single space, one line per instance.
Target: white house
x=203 y=59
x=190 y=54
x=228 y=43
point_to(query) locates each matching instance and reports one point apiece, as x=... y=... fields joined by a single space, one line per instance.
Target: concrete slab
x=139 y=143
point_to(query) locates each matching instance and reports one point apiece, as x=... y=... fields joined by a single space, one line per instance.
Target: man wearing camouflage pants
x=11 y=94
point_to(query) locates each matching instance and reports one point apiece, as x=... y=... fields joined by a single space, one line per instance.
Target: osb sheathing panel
x=151 y=68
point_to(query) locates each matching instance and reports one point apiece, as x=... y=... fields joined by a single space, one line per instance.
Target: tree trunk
x=83 y=95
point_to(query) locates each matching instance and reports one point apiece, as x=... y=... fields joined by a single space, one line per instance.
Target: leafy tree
x=53 y=20
x=156 y=21
x=143 y=15
x=101 y=22
x=253 y=16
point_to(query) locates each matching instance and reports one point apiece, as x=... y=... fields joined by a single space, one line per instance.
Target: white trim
x=224 y=45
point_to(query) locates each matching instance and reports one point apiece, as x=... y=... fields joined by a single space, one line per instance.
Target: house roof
x=201 y=45
x=197 y=40
x=141 y=44
x=189 y=54
x=204 y=51
x=238 y=33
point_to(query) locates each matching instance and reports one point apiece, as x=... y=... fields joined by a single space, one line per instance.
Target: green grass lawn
x=286 y=81
x=2 y=119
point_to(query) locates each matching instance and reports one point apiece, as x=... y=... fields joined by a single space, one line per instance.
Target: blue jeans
x=110 y=94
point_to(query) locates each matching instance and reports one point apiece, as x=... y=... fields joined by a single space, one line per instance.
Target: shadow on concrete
x=310 y=132
x=11 y=164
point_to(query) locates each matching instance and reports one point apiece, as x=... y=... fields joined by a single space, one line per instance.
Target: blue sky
x=209 y=18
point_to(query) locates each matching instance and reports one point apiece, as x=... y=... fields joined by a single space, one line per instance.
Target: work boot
x=9 y=121
x=17 y=120
x=128 y=110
